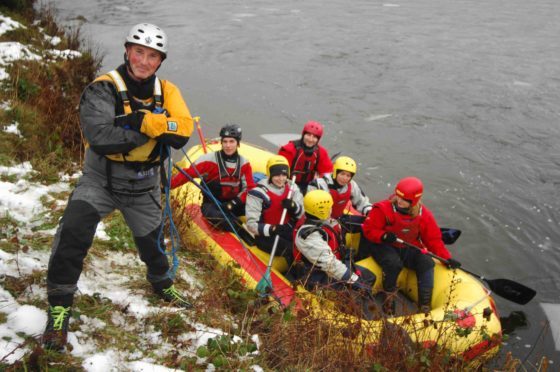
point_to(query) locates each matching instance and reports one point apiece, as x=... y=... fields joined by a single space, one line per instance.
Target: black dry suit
x=116 y=175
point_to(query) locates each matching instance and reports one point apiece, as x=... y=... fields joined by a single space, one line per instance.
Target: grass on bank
x=43 y=96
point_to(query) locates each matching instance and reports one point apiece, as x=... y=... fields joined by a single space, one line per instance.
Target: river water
x=463 y=94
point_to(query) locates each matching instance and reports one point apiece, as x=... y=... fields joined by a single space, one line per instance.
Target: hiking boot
x=56 y=332
x=172 y=296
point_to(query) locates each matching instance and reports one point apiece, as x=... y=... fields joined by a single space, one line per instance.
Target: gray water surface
x=463 y=94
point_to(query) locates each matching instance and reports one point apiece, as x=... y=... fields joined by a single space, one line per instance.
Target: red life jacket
x=229 y=181
x=332 y=235
x=273 y=213
x=303 y=165
x=340 y=201
x=403 y=226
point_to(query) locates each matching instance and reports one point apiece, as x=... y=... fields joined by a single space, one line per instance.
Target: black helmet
x=232 y=131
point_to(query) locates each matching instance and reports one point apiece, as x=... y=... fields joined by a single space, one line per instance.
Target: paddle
x=196 y=119
x=508 y=289
x=448 y=235
x=264 y=285
x=335 y=155
x=248 y=238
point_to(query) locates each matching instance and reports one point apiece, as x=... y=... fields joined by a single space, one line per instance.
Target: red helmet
x=313 y=127
x=410 y=188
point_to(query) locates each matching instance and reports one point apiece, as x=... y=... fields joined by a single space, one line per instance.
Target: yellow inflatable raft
x=464 y=319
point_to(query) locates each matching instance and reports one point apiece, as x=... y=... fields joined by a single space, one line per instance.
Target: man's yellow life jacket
x=144 y=153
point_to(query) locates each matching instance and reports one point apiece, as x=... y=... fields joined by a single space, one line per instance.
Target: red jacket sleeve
x=248 y=181
x=180 y=179
x=430 y=234
x=288 y=151
x=325 y=164
x=374 y=225
x=206 y=169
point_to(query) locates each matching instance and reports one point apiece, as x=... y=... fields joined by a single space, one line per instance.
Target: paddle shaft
x=449 y=235
x=437 y=257
x=282 y=218
x=508 y=289
x=208 y=193
x=196 y=119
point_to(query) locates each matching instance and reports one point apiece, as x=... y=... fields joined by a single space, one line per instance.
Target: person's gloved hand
x=232 y=204
x=453 y=264
x=389 y=237
x=161 y=110
x=290 y=205
x=353 y=278
x=131 y=121
x=284 y=231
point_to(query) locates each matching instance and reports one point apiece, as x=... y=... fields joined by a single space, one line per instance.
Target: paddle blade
x=450 y=236
x=513 y=291
x=264 y=285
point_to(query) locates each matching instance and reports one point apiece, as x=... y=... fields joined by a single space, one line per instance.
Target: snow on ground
x=11 y=51
x=8 y=24
x=13 y=129
x=21 y=200
x=103 y=276
x=65 y=54
x=54 y=40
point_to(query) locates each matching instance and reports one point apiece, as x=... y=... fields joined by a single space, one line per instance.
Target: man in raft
x=404 y=216
x=265 y=206
x=227 y=174
x=306 y=157
x=126 y=116
x=318 y=243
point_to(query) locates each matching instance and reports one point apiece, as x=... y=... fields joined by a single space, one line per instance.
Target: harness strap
x=121 y=89
x=310 y=230
x=223 y=170
x=307 y=165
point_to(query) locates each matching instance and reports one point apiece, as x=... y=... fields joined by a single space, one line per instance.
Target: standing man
x=306 y=157
x=128 y=118
x=227 y=174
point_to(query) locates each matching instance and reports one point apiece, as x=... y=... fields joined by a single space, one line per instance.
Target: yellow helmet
x=277 y=164
x=344 y=163
x=318 y=203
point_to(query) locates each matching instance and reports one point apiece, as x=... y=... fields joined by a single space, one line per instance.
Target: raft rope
x=167 y=213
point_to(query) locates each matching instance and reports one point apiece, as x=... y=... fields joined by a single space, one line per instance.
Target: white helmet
x=148 y=35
